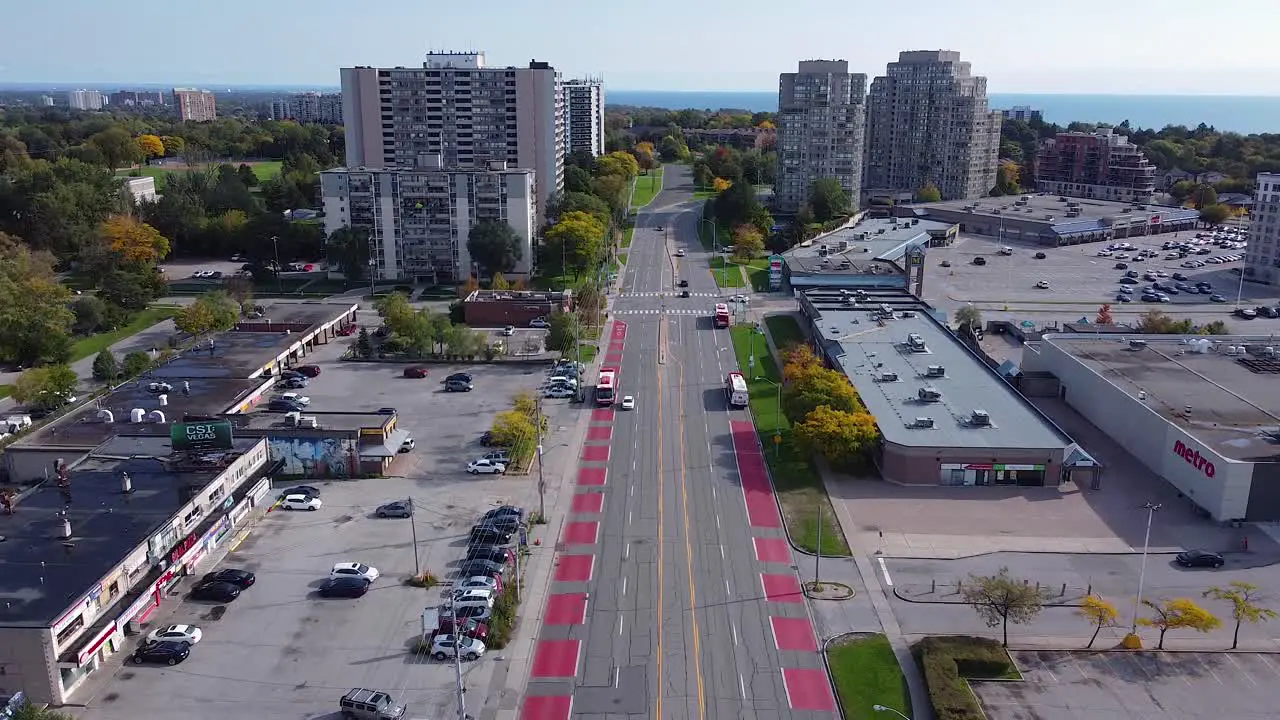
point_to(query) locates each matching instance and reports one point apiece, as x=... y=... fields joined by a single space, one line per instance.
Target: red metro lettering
x=1194 y=457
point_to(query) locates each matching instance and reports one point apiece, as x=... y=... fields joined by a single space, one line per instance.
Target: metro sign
x=1193 y=457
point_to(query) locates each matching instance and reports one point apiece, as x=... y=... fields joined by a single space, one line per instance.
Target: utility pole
x=275 y=245
x=519 y=548
x=542 y=482
x=817 y=556
x=457 y=665
x=417 y=569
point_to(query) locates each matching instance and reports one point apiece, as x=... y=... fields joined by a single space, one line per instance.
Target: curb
x=903 y=598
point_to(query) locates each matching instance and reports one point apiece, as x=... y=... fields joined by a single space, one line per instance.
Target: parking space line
x=884 y=570
x=1266 y=661
x=1209 y=668
x=1241 y=670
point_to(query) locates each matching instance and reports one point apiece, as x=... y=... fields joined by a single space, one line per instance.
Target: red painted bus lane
x=808 y=689
x=556 y=658
x=547 y=707
x=582 y=532
x=595 y=453
x=592 y=477
x=781 y=588
x=567 y=609
x=575 y=568
x=757 y=492
x=772 y=550
x=793 y=634
x=588 y=502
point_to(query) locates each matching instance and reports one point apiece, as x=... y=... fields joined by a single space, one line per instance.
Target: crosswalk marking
x=667 y=294
x=657 y=311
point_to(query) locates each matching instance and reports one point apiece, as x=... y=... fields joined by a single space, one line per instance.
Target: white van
x=1006 y=250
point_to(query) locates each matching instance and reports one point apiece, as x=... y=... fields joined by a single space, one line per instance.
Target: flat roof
x=1094 y=215
x=1234 y=399
x=869 y=349
x=872 y=246
x=546 y=296
x=351 y=421
x=41 y=574
x=87 y=427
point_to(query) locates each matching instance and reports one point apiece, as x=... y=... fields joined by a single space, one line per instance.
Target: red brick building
x=497 y=308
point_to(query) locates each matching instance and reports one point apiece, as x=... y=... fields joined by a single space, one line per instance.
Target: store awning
x=387 y=449
x=1077 y=457
x=89 y=642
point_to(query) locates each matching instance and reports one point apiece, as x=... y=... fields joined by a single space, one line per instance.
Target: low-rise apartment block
x=137 y=98
x=195 y=105
x=309 y=108
x=1101 y=165
x=419 y=218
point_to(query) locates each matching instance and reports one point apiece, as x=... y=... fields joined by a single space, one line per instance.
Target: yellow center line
x=661 y=586
x=688 y=552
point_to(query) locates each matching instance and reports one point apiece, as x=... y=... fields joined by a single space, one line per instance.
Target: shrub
x=423 y=580
x=502 y=621
x=947 y=661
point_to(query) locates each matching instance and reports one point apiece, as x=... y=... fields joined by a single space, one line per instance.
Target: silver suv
x=361 y=704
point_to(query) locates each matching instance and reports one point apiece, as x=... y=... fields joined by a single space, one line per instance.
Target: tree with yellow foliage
x=721 y=184
x=151 y=146
x=837 y=435
x=133 y=240
x=619 y=163
x=1098 y=611
x=646 y=156
x=767 y=125
x=1177 y=614
x=1246 y=605
x=748 y=242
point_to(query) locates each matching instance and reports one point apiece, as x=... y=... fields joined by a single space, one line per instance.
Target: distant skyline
x=1089 y=46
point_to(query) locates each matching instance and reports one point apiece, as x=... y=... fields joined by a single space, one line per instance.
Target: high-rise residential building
x=309 y=108
x=1026 y=113
x=1102 y=164
x=1262 y=256
x=821 y=121
x=456 y=108
x=86 y=100
x=584 y=116
x=195 y=105
x=420 y=218
x=45 y=101
x=137 y=98
x=928 y=122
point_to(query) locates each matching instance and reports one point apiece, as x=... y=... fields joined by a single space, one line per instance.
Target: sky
x=1081 y=46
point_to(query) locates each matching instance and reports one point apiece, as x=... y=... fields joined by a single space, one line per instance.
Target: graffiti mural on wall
x=313 y=457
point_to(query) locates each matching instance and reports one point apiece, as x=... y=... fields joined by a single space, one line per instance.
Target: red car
x=470 y=627
x=415 y=372
x=308 y=370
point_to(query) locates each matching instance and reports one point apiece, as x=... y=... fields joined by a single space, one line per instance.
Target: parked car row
x=171 y=644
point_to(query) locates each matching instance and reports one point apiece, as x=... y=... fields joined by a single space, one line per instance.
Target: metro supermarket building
x=1203 y=414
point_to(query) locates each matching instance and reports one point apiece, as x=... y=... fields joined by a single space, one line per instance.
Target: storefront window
x=70 y=630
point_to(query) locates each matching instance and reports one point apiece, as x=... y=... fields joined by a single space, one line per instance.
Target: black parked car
x=282 y=405
x=492 y=553
x=308 y=490
x=457 y=386
x=490 y=535
x=505 y=511
x=397 y=509
x=166 y=652
x=979 y=260
x=217 y=591
x=503 y=523
x=459 y=377
x=232 y=576
x=352 y=587
x=1200 y=558
x=471 y=568
x=486 y=438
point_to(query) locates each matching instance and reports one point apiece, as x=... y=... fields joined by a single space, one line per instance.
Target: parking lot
x=281 y=651
x=1061 y=685
x=1079 y=281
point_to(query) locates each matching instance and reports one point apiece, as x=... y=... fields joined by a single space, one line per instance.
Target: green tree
x=117 y=146
x=580 y=202
x=397 y=314
x=1001 y=599
x=136 y=363
x=30 y=712
x=1008 y=179
x=132 y=289
x=211 y=312
x=613 y=189
x=839 y=436
x=619 y=163
x=35 y=313
x=1203 y=196
x=1178 y=614
x=105 y=367
x=968 y=316
x=45 y=387
x=494 y=246
x=736 y=205
x=1099 y=612
x=579 y=238
x=702 y=176
x=563 y=333
x=364 y=345
x=673 y=149
x=748 y=243
x=928 y=193
x=349 y=250
x=1246 y=605
x=576 y=179
x=828 y=199
x=247 y=175
x=1214 y=214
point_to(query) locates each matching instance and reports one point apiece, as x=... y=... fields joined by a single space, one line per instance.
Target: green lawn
x=647 y=188
x=95 y=344
x=784 y=330
x=626 y=236
x=588 y=352
x=5 y=391
x=622 y=258
x=728 y=274
x=758 y=274
x=866 y=673
x=795 y=479
x=264 y=170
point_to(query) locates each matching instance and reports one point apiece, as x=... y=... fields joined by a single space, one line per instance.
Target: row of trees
x=583 y=221
x=1001 y=599
x=828 y=418
x=422 y=333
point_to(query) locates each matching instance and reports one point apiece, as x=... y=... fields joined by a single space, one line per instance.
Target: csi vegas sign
x=201 y=436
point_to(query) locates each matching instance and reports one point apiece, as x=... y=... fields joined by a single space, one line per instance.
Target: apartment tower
x=86 y=100
x=308 y=108
x=195 y=105
x=1262 y=256
x=1102 y=165
x=821 y=116
x=458 y=113
x=928 y=122
x=584 y=116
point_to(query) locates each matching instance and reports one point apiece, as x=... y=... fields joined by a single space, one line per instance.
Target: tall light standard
x=1142 y=572
x=1240 y=287
x=275 y=246
x=884 y=708
x=777 y=418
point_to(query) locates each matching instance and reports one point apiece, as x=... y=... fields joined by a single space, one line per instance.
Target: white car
x=446 y=646
x=559 y=392
x=353 y=569
x=628 y=402
x=159 y=387
x=478 y=582
x=508 y=331
x=562 y=380
x=473 y=596
x=1043 y=284
x=485 y=466
x=680 y=253
x=740 y=299
x=189 y=634
x=300 y=502
x=302 y=400
x=539 y=323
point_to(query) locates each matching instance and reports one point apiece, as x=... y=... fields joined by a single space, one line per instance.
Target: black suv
x=684 y=283
x=459 y=377
x=490 y=535
x=492 y=553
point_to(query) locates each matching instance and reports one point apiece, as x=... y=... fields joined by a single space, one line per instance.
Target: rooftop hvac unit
x=105 y=416
x=980 y=418
x=936 y=371
x=136 y=415
x=1049 y=218
x=293 y=418
x=310 y=421
x=915 y=221
x=1231 y=350
x=880 y=231
x=1063 y=198
x=888 y=377
x=822 y=251
x=928 y=394
x=1268 y=351
x=155 y=416
x=916 y=343
x=922 y=423
x=842 y=246
x=1244 y=349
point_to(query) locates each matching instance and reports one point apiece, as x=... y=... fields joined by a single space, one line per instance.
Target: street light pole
x=275 y=246
x=1142 y=572
x=417 y=569
x=777 y=417
x=883 y=708
x=542 y=482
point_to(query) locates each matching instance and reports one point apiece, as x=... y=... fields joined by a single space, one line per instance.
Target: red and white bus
x=607 y=386
x=735 y=389
x=722 y=315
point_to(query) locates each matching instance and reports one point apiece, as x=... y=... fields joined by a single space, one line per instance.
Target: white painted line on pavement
x=626 y=551
x=884 y=570
x=717 y=519
x=722 y=552
x=629 y=522
x=631 y=492
x=616 y=672
x=713 y=488
x=624 y=584
x=734 y=628
x=727 y=591
x=620 y=624
x=742 y=686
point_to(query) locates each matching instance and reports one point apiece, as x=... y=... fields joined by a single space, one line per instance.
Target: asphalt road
x=677 y=625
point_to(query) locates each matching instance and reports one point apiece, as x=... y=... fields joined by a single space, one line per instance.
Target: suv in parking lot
x=457 y=386
x=362 y=704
